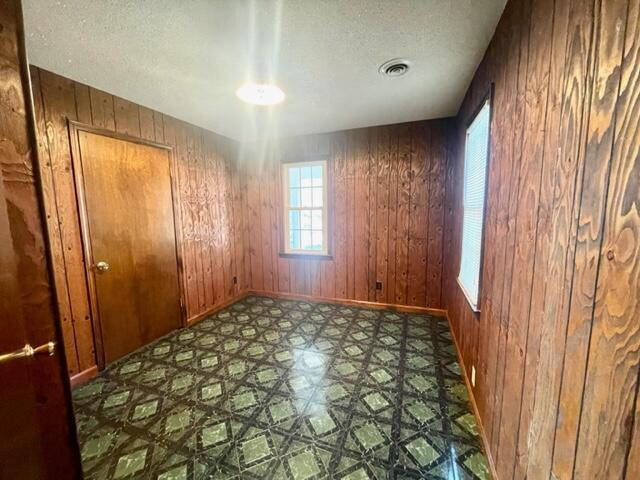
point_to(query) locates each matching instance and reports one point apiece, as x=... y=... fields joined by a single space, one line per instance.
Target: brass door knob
x=102 y=266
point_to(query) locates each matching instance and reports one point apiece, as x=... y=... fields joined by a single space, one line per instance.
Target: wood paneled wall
x=386 y=206
x=557 y=343
x=387 y=209
x=210 y=202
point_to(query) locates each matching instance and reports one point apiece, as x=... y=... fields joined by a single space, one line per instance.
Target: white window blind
x=475 y=170
x=305 y=207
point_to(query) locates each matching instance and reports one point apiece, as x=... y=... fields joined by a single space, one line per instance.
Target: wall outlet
x=473 y=375
x=378 y=285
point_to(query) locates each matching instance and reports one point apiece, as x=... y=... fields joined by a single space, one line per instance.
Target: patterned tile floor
x=285 y=389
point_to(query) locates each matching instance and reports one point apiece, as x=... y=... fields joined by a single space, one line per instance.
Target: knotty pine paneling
x=556 y=345
x=210 y=202
x=386 y=207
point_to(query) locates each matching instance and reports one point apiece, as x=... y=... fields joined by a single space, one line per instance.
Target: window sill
x=474 y=308
x=305 y=256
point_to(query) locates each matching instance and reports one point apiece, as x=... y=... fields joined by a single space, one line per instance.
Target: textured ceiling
x=186 y=58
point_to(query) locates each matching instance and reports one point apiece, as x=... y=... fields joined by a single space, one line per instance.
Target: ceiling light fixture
x=260 y=94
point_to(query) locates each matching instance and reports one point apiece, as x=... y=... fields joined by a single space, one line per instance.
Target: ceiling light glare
x=260 y=94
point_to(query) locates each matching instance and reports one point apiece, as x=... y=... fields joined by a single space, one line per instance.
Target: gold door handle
x=102 y=266
x=29 y=351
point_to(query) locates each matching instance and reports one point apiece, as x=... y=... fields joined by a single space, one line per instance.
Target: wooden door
x=36 y=418
x=128 y=224
x=37 y=434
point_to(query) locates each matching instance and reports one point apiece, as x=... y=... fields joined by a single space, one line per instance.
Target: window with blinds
x=476 y=156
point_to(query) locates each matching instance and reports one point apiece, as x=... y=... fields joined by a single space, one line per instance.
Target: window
x=476 y=155
x=305 y=207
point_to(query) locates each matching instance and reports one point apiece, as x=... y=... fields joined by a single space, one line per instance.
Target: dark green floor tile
x=285 y=389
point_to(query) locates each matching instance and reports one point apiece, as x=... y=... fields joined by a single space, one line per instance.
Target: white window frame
x=325 y=209
x=475 y=302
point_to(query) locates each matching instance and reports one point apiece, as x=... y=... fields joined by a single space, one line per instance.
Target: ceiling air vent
x=395 y=68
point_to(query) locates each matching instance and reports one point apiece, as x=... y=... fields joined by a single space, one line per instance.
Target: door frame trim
x=74 y=129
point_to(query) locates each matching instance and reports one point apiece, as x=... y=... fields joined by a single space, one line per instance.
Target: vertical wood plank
x=284 y=282
x=393 y=215
x=198 y=193
x=550 y=285
x=614 y=349
x=350 y=190
x=169 y=132
x=512 y=207
x=102 y=110
x=607 y=51
x=275 y=207
x=492 y=318
x=421 y=160
x=127 y=119
x=437 y=149
x=382 y=212
x=147 y=126
x=360 y=217
x=204 y=225
x=265 y=224
x=227 y=221
x=238 y=220
x=83 y=103
x=526 y=225
x=58 y=97
x=215 y=238
x=247 y=230
x=403 y=199
x=255 y=251
x=547 y=139
x=327 y=267
x=158 y=127
x=340 y=214
x=372 y=175
x=53 y=227
x=187 y=199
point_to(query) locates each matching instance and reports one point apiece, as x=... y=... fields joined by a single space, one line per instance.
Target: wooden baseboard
x=474 y=405
x=201 y=316
x=353 y=303
x=83 y=377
